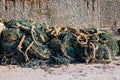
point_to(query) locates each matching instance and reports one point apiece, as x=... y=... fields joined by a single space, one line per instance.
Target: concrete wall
x=72 y=13
x=110 y=13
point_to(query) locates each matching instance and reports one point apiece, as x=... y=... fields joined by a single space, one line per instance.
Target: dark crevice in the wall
x=39 y=4
x=93 y=6
x=23 y=3
x=7 y=2
x=6 y=8
x=87 y=3
x=32 y=3
x=115 y=24
x=6 y=5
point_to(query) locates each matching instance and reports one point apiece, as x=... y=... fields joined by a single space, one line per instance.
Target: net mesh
x=27 y=44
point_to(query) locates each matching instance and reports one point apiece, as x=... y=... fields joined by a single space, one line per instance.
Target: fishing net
x=29 y=44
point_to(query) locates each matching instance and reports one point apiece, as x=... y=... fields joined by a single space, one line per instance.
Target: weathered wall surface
x=110 y=13
x=72 y=13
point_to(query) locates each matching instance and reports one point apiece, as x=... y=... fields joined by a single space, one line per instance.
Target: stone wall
x=72 y=13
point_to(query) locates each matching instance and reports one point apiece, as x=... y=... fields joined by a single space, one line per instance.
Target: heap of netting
x=24 y=42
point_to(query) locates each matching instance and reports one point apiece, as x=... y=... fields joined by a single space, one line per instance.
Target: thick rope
x=32 y=31
x=95 y=48
x=26 y=56
x=19 y=47
x=79 y=38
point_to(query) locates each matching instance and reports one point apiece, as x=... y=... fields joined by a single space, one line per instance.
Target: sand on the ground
x=71 y=72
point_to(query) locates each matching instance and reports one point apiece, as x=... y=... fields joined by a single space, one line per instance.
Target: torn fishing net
x=30 y=44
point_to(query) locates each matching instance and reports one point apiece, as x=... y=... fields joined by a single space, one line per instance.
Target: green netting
x=29 y=44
